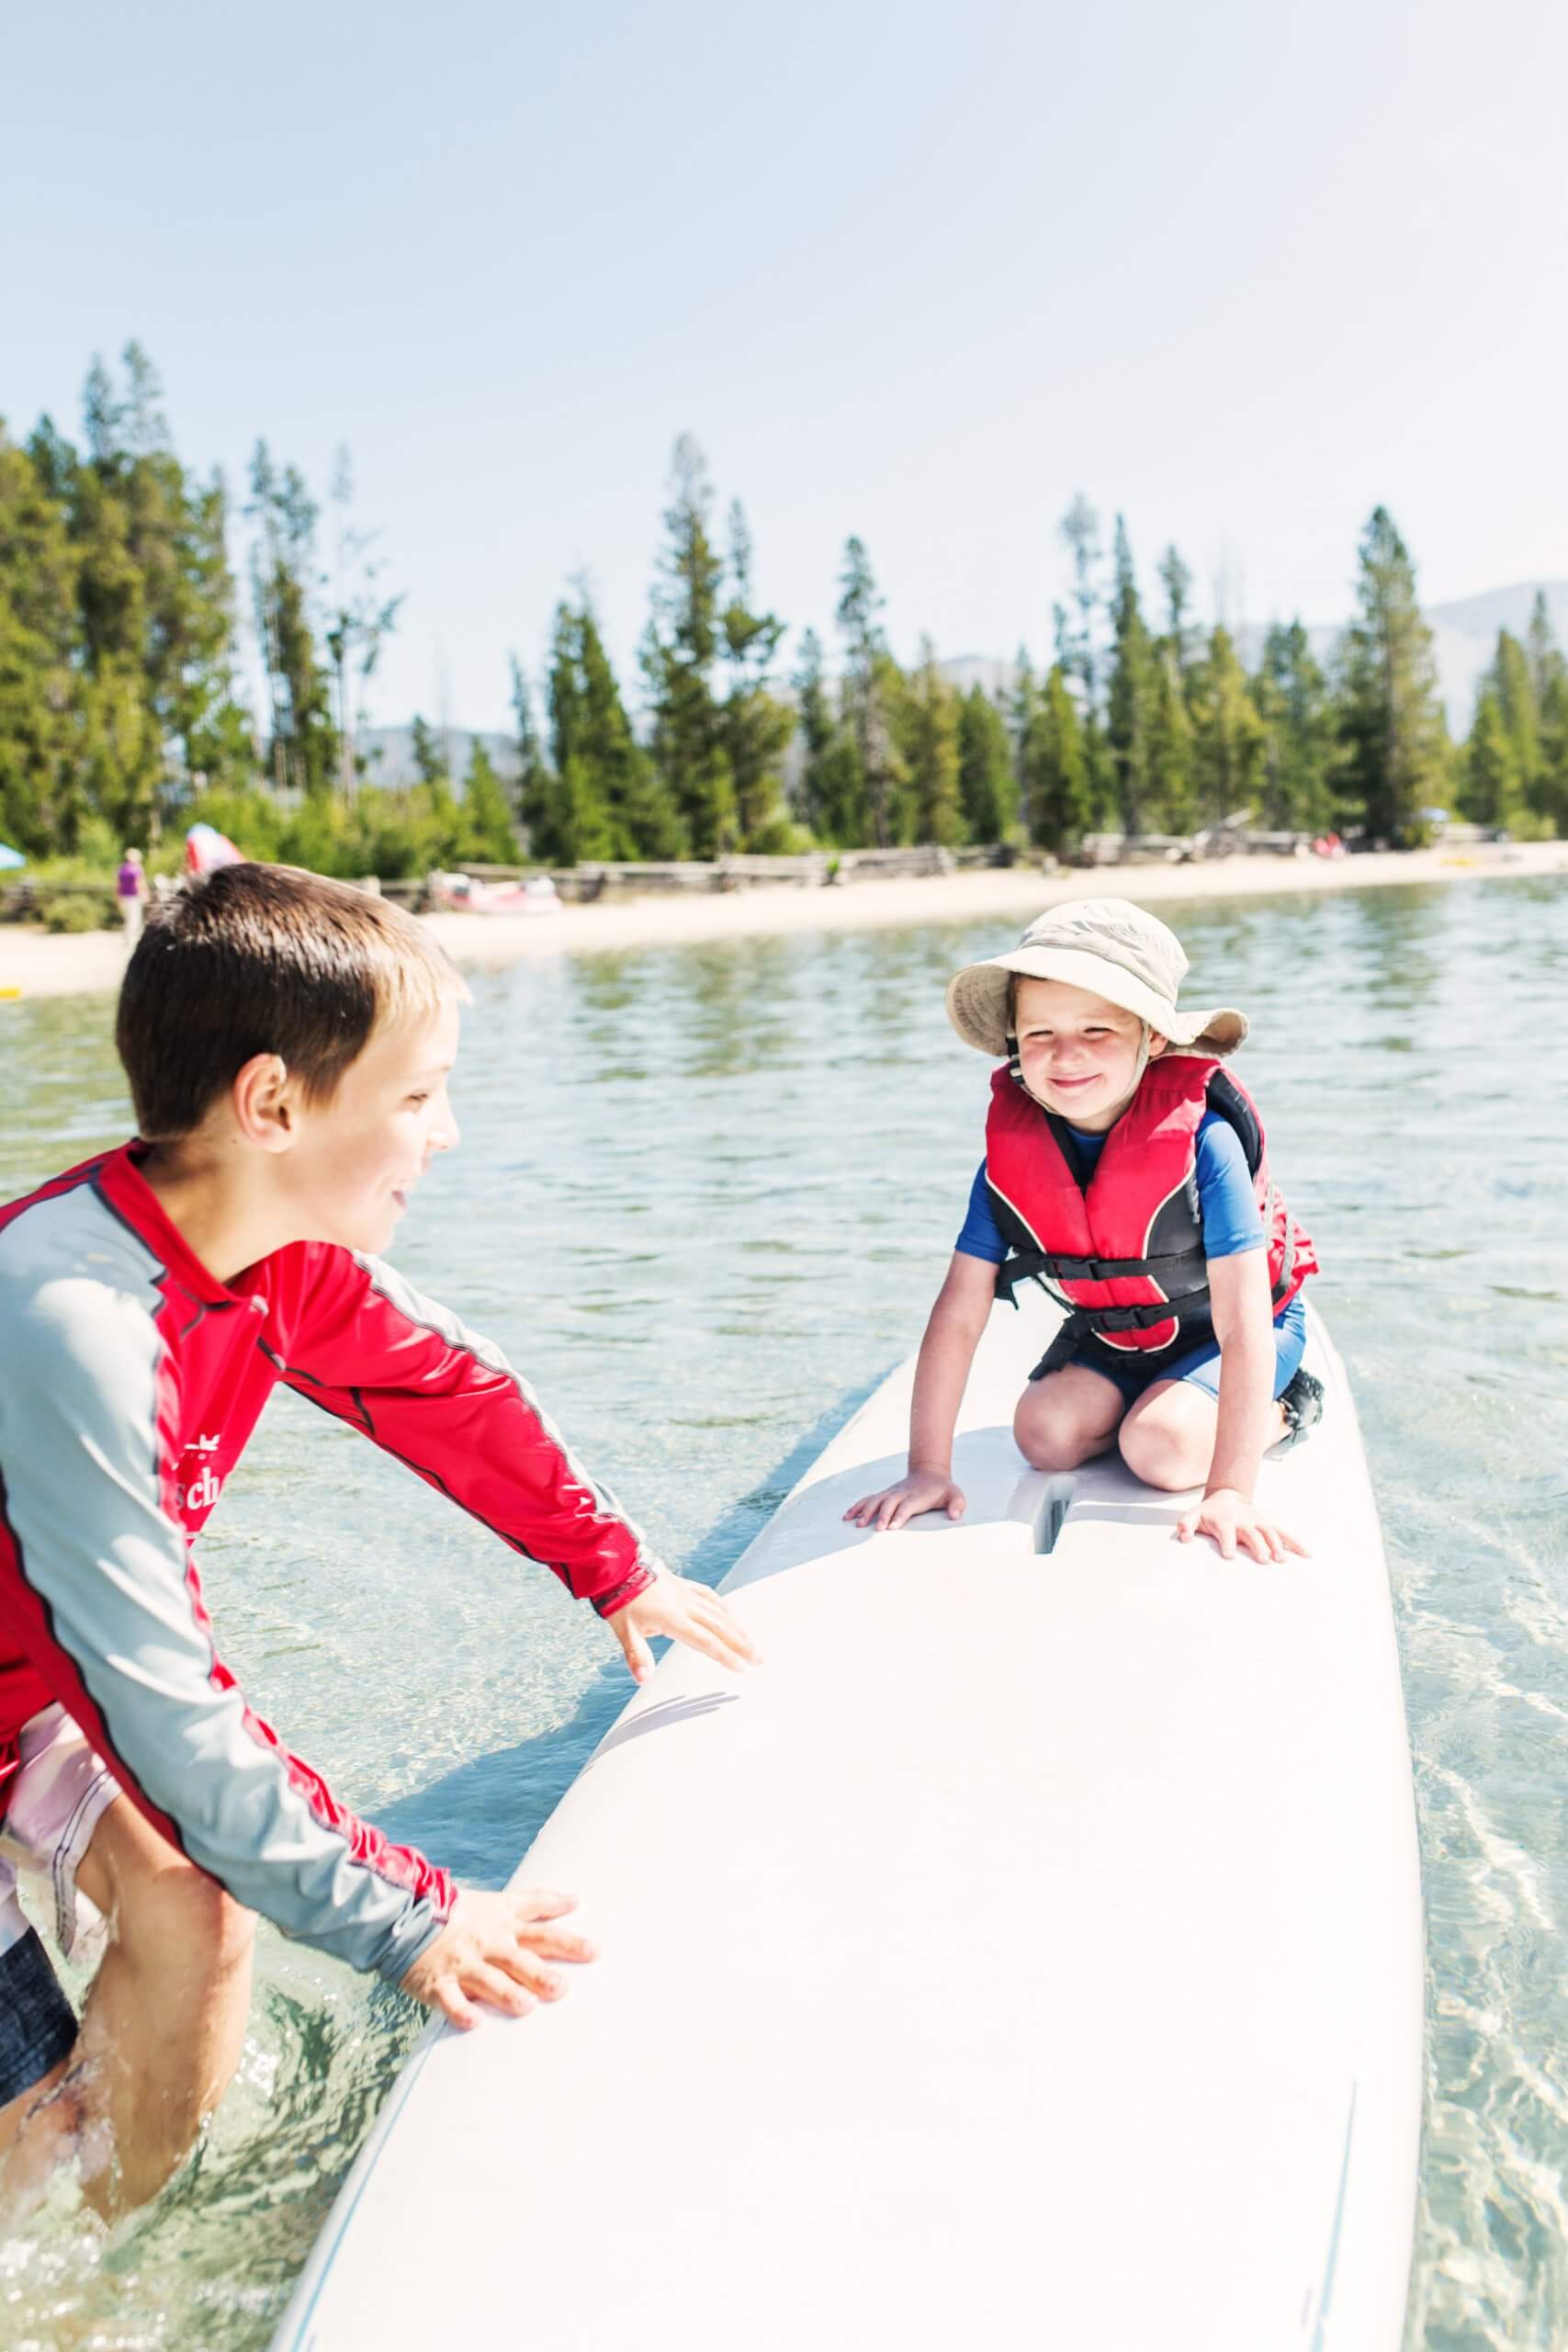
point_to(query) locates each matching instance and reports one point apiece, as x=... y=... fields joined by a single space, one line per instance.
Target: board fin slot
x=1051 y=1509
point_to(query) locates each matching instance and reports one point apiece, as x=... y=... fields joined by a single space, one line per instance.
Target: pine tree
x=1227 y=735
x=1548 y=677
x=872 y=693
x=534 y=775
x=930 y=755
x=1059 y=803
x=1077 y=653
x=571 y=810
x=640 y=818
x=1392 y=737
x=1129 y=695
x=1545 y=655
x=284 y=584
x=360 y=619
x=1491 y=785
x=830 y=795
x=1177 y=582
x=1512 y=677
x=680 y=650
x=43 y=785
x=157 y=604
x=1173 y=803
x=487 y=834
x=618 y=799
x=1021 y=708
x=757 y=728
x=428 y=752
x=1292 y=700
x=578 y=828
x=987 y=784
x=1551 y=792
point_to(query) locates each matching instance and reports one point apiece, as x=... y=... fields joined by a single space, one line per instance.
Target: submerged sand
x=35 y=963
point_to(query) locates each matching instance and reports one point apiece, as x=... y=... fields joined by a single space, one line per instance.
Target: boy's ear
x=1157 y=1045
x=262 y=1101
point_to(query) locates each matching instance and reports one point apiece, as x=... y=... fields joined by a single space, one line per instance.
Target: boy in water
x=1125 y=1169
x=287 y=1042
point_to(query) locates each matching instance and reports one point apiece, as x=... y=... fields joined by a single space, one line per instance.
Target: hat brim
x=977 y=1000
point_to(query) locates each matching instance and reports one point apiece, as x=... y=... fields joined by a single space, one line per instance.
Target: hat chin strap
x=1015 y=1067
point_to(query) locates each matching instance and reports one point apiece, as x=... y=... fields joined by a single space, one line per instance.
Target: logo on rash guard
x=200 y=1492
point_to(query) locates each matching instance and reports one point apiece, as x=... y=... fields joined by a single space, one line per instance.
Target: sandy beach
x=37 y=962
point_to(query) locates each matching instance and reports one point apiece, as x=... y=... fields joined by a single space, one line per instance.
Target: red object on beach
x=207 y=848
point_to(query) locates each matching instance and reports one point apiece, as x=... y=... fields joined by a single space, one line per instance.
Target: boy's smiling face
x=1079 y=1053
x=355 y=1159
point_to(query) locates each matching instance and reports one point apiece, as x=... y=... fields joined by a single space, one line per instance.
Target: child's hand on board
x=906 y=1499
x=1230 y=1519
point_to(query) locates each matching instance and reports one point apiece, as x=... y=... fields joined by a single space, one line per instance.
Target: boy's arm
x=360 y=1342
x=366 y=1345
x=952 y=1333
x=97 y=1585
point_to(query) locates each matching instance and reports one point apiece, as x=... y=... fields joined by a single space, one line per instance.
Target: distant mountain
x=388 y=753
x=1464 y=637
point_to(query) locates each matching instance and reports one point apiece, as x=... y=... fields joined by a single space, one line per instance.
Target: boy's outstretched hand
x=677 y=1609
x=1230 y=1519
x=906 y=1499
x=493 y=1951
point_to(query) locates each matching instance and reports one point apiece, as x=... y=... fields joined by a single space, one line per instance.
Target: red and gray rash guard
x=130 y=1381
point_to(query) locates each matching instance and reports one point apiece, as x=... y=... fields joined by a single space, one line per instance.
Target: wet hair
x=265 y=959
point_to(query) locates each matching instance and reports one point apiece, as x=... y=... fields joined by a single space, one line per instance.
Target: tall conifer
x=930 y=755
x=872 y=687
x=680 y=651
x=1131 y=692
x=1058 y=793
x=1391 y=732
x=987 y=784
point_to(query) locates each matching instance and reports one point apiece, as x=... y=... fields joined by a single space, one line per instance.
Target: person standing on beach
x=130 y=889
x=287 y=1042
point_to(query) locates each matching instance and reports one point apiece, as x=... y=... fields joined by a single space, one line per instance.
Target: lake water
x=704 y=1198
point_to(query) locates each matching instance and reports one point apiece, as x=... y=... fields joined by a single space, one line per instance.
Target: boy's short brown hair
x=265 y=959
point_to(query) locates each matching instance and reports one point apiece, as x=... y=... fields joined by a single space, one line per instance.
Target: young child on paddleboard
x=1125 y=1170
x=287 y=1042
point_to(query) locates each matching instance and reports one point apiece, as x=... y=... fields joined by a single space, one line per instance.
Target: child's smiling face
x=1079 y=1053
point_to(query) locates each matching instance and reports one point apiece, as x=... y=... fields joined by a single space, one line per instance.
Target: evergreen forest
x=126 y=711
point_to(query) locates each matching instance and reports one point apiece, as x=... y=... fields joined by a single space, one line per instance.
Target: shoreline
x=39 y=963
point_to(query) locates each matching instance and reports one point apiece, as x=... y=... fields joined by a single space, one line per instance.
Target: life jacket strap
x=1174 y=1272
x=1084 y=1322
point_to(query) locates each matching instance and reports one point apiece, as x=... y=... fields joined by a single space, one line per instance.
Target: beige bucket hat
x=1112 y=948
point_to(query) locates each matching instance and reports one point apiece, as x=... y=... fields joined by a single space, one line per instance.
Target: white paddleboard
x=1028 y=1953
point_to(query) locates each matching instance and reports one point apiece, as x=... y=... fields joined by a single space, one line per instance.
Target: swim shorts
x=1131 y=1373
x=53 y=1805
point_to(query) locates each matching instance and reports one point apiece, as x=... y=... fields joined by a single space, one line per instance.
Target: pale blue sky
x=914 y=272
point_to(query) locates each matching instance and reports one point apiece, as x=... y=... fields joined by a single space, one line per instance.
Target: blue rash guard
x=1231 y=1223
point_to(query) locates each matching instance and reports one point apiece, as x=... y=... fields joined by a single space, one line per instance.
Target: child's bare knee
x=1159 y=1457
x=1050 y=1441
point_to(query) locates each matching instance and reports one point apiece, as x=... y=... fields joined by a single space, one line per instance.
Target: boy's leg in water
x=161 y=2034
x=1167 y=1438
x=1067 y=1418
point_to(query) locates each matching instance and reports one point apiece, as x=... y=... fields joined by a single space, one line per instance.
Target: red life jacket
x=1122 y=1247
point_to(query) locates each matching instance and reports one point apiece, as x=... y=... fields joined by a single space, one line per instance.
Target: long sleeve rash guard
x=130 y=1382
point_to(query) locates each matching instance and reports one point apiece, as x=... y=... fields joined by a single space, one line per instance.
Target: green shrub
x=78 y=910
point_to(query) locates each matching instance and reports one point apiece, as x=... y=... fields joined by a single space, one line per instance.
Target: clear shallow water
x=704 y=1198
